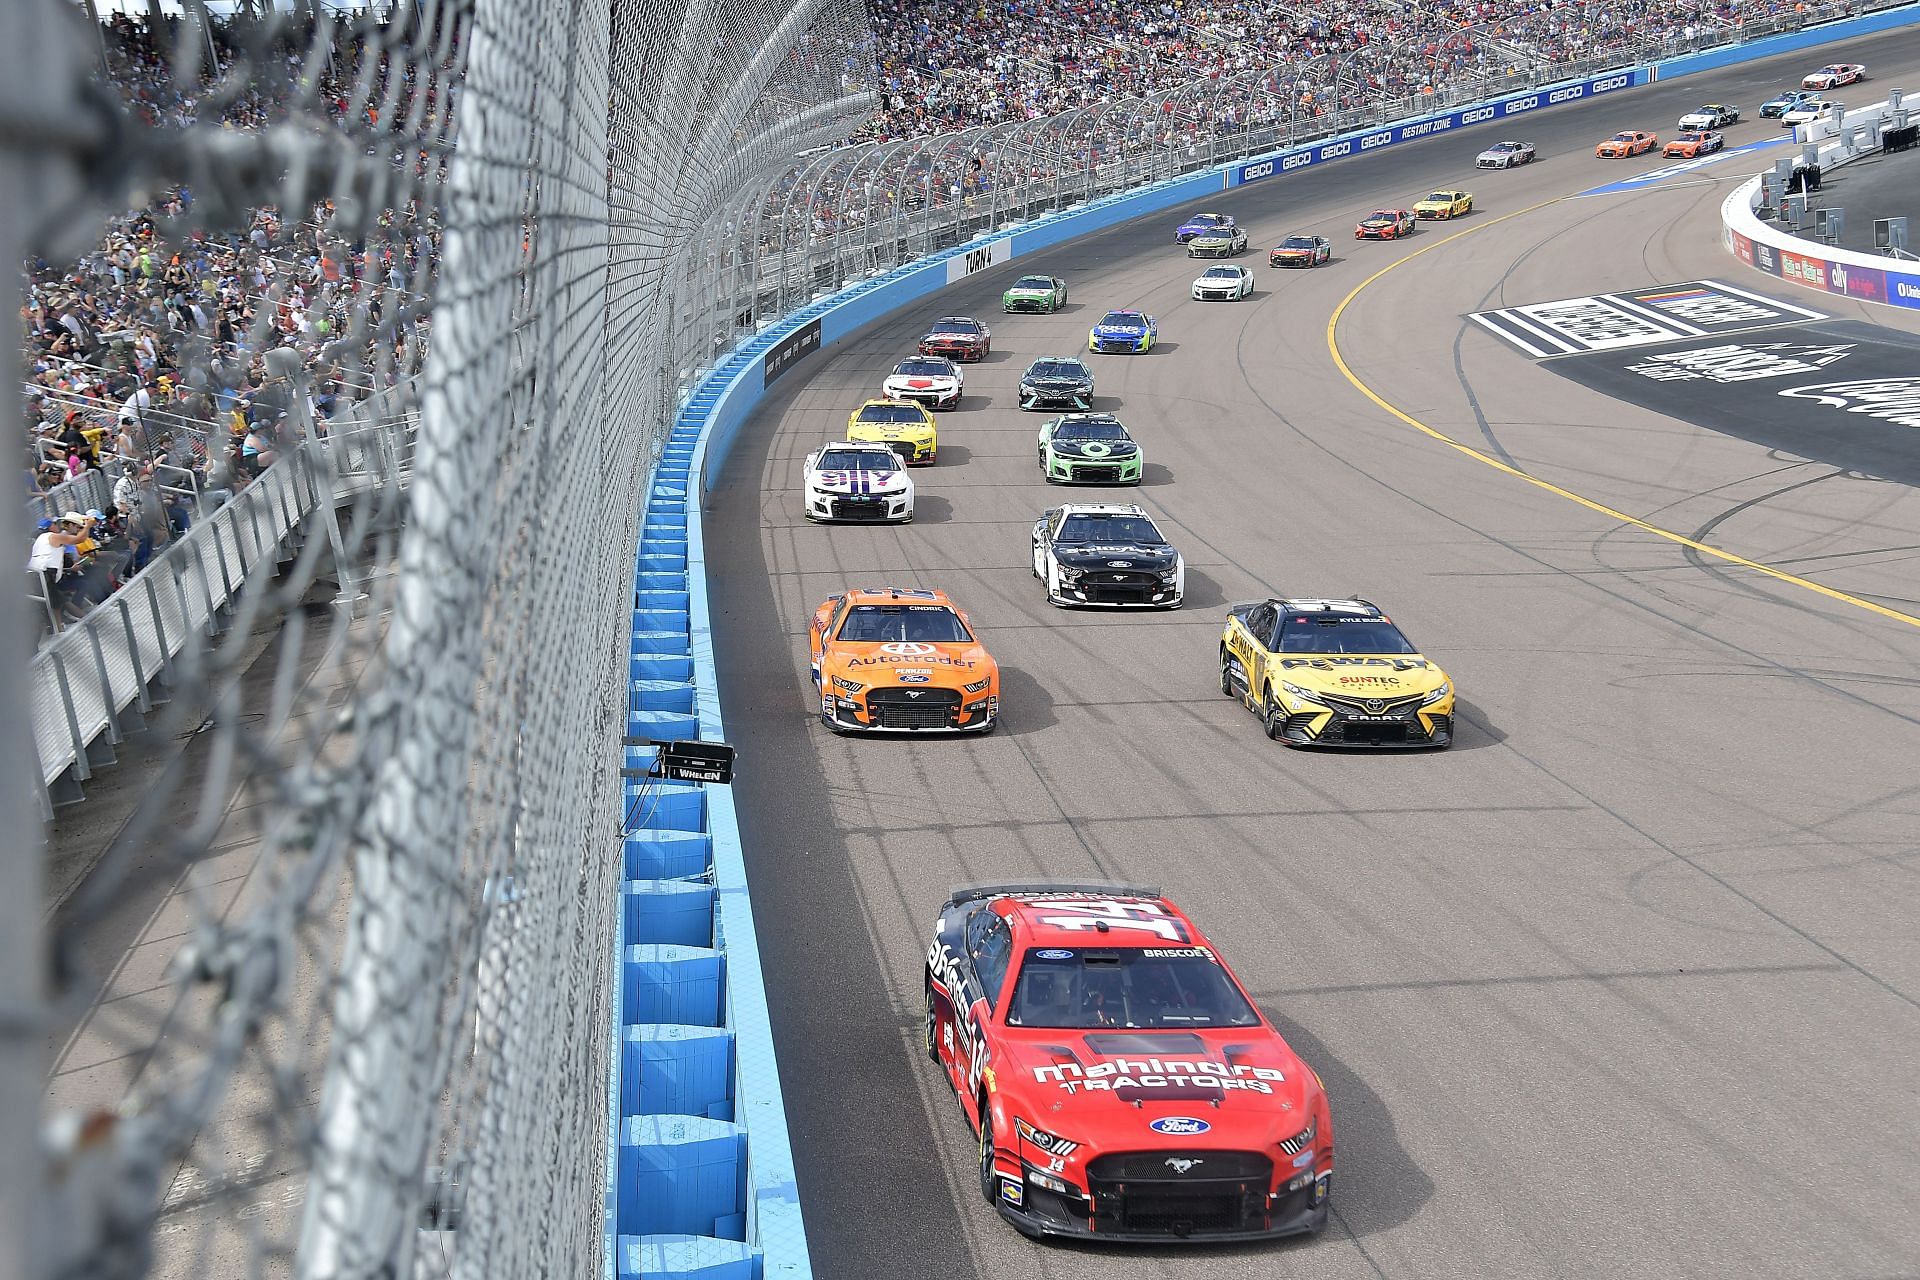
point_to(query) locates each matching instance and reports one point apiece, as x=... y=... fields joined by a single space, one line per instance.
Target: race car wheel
x=988 y=1179
x=933 y=1032
x=1274 y=717
x=1231 y=677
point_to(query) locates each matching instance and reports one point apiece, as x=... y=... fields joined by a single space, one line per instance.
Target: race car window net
x=924 y=369
x=1134 y=529
x=1146 y=988
x=1095 y=430
x=856 y=460
x=1341 y=633
x=909 y=623
x=891 y=413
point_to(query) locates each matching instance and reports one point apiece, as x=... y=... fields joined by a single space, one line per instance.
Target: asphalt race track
x=1624 y=985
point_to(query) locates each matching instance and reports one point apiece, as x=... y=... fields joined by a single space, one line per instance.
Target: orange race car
x=1695 y=142
x=1628 y=142
x=891 y=658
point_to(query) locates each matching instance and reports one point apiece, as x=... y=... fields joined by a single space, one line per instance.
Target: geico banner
x=1428 y=126
x=979 y=258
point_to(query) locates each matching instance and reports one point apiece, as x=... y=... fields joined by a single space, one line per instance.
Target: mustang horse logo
x=1180 y=1165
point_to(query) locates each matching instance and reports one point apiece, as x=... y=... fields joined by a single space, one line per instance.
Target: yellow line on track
x=1681 y=539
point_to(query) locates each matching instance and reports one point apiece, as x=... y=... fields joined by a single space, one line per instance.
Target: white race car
x=1505 y=155
x=1228 y=283
x=863 y=483
x=1712 y=116
x=1811 y=110
x=934 y=381
x=1833 y=75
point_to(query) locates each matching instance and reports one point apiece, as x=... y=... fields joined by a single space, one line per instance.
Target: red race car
x=957 y=338
x=1385 y=224
x=1122 y=1084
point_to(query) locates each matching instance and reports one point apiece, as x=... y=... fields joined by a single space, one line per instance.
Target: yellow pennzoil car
x=901 y=660
x=1444 y=204
x=901 y=425
x=1333 y=673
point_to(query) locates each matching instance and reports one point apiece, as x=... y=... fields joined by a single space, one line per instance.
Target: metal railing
x=95 y=680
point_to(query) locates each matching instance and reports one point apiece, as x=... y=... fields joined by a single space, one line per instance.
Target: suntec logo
x=1254 y=172
x=1611 y=83
x=1565 y=95
x=1373 y=140
x=1476 y=115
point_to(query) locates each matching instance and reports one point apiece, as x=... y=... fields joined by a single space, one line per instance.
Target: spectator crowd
x=179 y=364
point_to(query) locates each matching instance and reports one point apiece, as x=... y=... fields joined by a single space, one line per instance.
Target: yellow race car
x=1333 y=673
x=1444 y=204
x=901 y=425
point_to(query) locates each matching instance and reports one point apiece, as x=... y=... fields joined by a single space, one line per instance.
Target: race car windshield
x=891 y=413
x=961 y=328
x=1297 y=242
x=856 y=460
x=1121 y=320
x=1139 y=987
x=1034 y=282
x=904 y=623
x=1221 y=273
x=1209 y=220
x=1623 y=137
x=1136 y=530
x=1095 y=430
x=1057 y=369
x=1341 y=633
x=924 y=369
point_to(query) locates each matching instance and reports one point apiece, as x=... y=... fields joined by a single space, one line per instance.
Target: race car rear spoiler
x=1096 y=888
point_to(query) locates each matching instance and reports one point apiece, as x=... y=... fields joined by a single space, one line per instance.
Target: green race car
x=1045 y=294
x=1089 y=448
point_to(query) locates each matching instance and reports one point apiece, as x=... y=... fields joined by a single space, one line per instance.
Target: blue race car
x=1774 y=108
x=1123 y=331
x=1201 y=223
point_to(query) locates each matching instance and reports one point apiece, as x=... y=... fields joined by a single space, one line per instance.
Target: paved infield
x=1626 y=983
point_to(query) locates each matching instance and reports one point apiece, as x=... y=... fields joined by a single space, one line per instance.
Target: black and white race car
x=867 y=483
x=1057 y=382
x=1505 y=155
x=1109 y=554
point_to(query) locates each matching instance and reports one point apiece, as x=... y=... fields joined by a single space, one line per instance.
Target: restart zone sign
x=1429 y=126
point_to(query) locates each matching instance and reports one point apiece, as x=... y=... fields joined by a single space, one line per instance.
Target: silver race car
x=1505 y=155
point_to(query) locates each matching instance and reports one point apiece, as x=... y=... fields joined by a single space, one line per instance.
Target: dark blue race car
x=1123 y=331
x=1201 y=223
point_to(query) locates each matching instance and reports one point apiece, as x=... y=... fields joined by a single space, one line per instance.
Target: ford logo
x=1179 y=1126
x=1119 y=564
x=1053 y=953
x=915 y=679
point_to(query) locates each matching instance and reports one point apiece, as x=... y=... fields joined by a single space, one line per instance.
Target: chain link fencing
x=366 y=1028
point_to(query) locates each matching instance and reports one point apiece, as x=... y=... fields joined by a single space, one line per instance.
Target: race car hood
x=1094 y=448
x=1213 y=237
x=1296 y=251
x=1378 y=222
x=1216 y=282
x=1355 y=675
x=1494 y=153
x=1131 y=330
x=947 y=665
x=1115 y=555
x=952 y=335
x=855 y=481
x=1029 y=291
x=1057 y=384
x=871 y=431
x=1107 y=1089
x=918 y=383
x=1197 y=228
